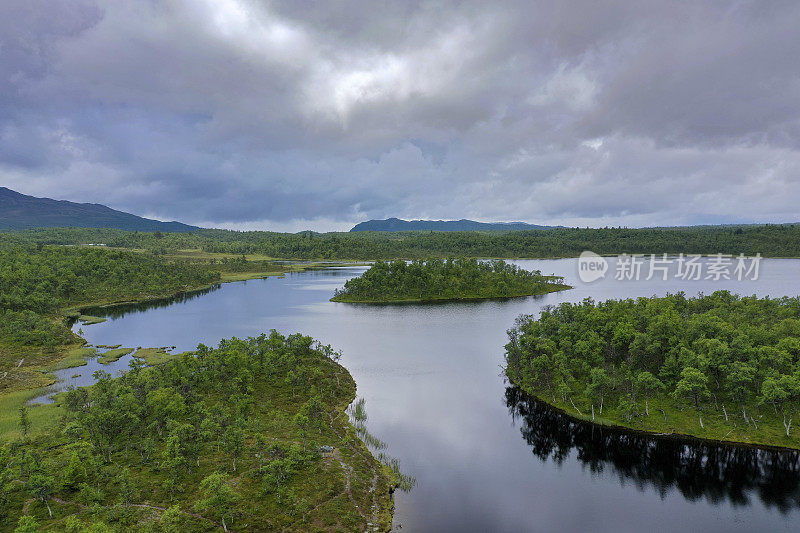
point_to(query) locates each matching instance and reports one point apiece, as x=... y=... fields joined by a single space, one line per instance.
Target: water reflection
x=120 y=310
x=697 y=469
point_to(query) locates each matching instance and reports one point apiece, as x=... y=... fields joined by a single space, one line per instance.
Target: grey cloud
x=238 y=112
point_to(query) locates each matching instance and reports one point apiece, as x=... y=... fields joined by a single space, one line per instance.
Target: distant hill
x=396 y=224
x=20 y=211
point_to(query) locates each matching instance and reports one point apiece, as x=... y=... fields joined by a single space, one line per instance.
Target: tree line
x=768 y=240
x=36 y=281
x=734 y=359
x=449 y=279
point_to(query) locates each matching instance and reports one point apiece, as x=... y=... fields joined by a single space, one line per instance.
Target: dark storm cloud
x=292 y=114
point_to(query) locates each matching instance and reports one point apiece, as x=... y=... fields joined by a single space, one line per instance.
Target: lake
x=485 y=456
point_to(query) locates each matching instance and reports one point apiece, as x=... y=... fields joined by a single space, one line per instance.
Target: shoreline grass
x=467 y=298
x=667 y=419
x=74 y=358
x=156 y=356
x=113 y=355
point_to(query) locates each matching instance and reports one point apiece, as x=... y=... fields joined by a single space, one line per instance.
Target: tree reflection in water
x=696 y=468
x=118 y=310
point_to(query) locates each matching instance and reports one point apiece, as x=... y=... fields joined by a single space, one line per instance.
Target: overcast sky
x=297 y=114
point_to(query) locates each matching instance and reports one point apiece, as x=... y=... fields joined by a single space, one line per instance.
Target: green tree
x=693 y=385
x=598 y=387
x=647 y=385
x=234 y=442
x=27 y=524
x=739 y=383
x=74 y=474
x=42 y=487
x=219 y=499
x=172 y=520
x=779 y=392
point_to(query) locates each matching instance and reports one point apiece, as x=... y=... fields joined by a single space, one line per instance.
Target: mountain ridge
x=396 y=224
x=20 y=211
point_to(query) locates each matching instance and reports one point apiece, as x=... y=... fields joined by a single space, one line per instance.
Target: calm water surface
x=487 y=458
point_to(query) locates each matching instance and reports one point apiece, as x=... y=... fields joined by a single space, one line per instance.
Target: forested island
x=719 y=367
x=252 y=434
x=443 y=280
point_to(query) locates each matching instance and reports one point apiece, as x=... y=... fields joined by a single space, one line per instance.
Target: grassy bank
x=665 y=416
x=535 y=291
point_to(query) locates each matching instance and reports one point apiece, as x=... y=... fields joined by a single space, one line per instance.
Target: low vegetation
x=439 y=280
x=114 y=354
x=251 y=435
x=719 y=367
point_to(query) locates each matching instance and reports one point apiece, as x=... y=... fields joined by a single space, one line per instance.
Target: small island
x=717 y=367
x=445 y=280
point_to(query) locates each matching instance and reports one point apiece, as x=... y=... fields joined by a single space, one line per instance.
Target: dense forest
x=450 y=279
x=718 y=366
x=768 y=240
x=37 y=281
x=251 y=435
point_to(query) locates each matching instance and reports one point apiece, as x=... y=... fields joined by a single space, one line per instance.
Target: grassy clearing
x=280 y=270
x=197 y=254
x=42 y=417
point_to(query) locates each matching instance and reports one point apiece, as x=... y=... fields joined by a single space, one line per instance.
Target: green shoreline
x=553 y=288
x=74 y=312
x=570 y=411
